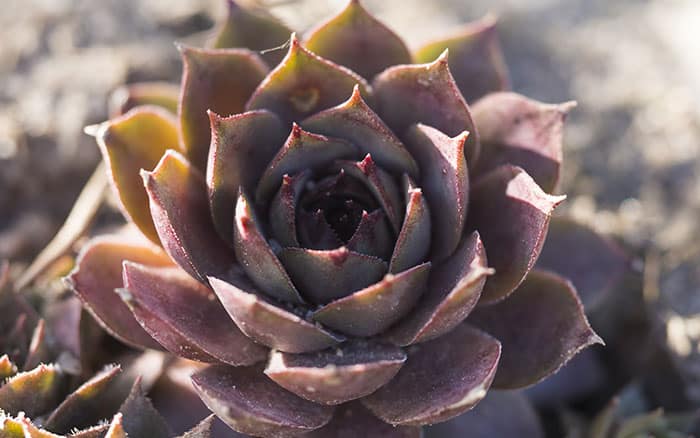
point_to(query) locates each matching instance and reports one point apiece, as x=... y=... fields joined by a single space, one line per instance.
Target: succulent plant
x=316 y=225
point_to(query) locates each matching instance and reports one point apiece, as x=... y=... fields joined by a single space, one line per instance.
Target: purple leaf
x=373 y=236
x=413 y=242
x=161 y=94
x=354 y=420
x=282 y=215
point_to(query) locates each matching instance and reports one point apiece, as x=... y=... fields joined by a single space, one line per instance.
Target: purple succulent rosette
x=345 y=240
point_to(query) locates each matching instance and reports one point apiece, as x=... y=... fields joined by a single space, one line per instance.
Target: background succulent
x=345 y=226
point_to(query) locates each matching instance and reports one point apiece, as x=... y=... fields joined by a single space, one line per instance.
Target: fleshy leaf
x=354 y=420
x=116 y=428
x=380 y=184
x=33 y=392
x=161 y=94
x=185 y=316
x=249 y=402
x=440 y=380
x=39 y=350
x=355 y=121
x=257 y=258
x=594 y=264
x=98 y=273
x=374 y=309
x=476 y=59
x=303 y=84
x=252 y=29
x=140 y=418
x=91 y=400
x=511 y=213
x=282 y=215
x=445 y=182
x=7 y=368
x=453 y=291
x=302 y=150
x=336 y=375
x=427 y=94
x=541 y=326
x=323 y=276
x=203 y=429
x=315 y=232
x=358 y=41
x=135 y=141
x=242 y=145
x=180 y=210
x=523 y=132
x=219 y=80
x=269 y=324
x=413 y=243
x=373 y=236
x=500 y=414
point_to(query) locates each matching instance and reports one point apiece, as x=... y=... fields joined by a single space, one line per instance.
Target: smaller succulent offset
x=335 y=229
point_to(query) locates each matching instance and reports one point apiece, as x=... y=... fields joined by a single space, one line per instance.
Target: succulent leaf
x=445 y=182
x=355 y=121
x=269 y=324
x=454 y=289
x=242 y=146
x=257 y=258
x=375 y=308
x=427 y=94
x=180 y=210
x=353 y=419
x=413 y=242
x=315 y=232
x=325 y=275
x=98 y=273
x=185 y=316
x=303 y=84
x=139 y=418
x=160 y=94
x=258 y=406
x=336 y=375
x=541 y=326
x=373 y=236
x=135 y=141
x=511 y=213
x=440 y=380
x=476 y=59
x=595 y=267
x=33 y=392
x=302 y=150
x=355 y=39
x=282 y=216
x=252 y=29
x=523 y=132
x=218 y=80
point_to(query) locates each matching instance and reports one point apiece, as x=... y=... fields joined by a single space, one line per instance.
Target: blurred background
x=632 y=157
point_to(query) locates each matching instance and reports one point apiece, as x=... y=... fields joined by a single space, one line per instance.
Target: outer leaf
x=135 y=141
x=453 y=291
x=500 y=414
x=322 y=276
x=593 y=263
x=512 y=214
x=425 y=93
x=180 y=210
x=445 y=181
x=355 y=121
x=440 y=380
x=242 y=145
x=335 y=376
x=357 y=40
x=250 y=403
x=373 y=309
x=257 y=258
x=185 y=316
x=98 y=273
x=302 y=150
x=303 y=84
x=354 y=420
x=161 y=94
x=217 y=80
x=476 y=59
x=269 y=324
x=413 y=243
x=252 y=29
x=33 y=392
x=523 y=132
x=541 y=327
